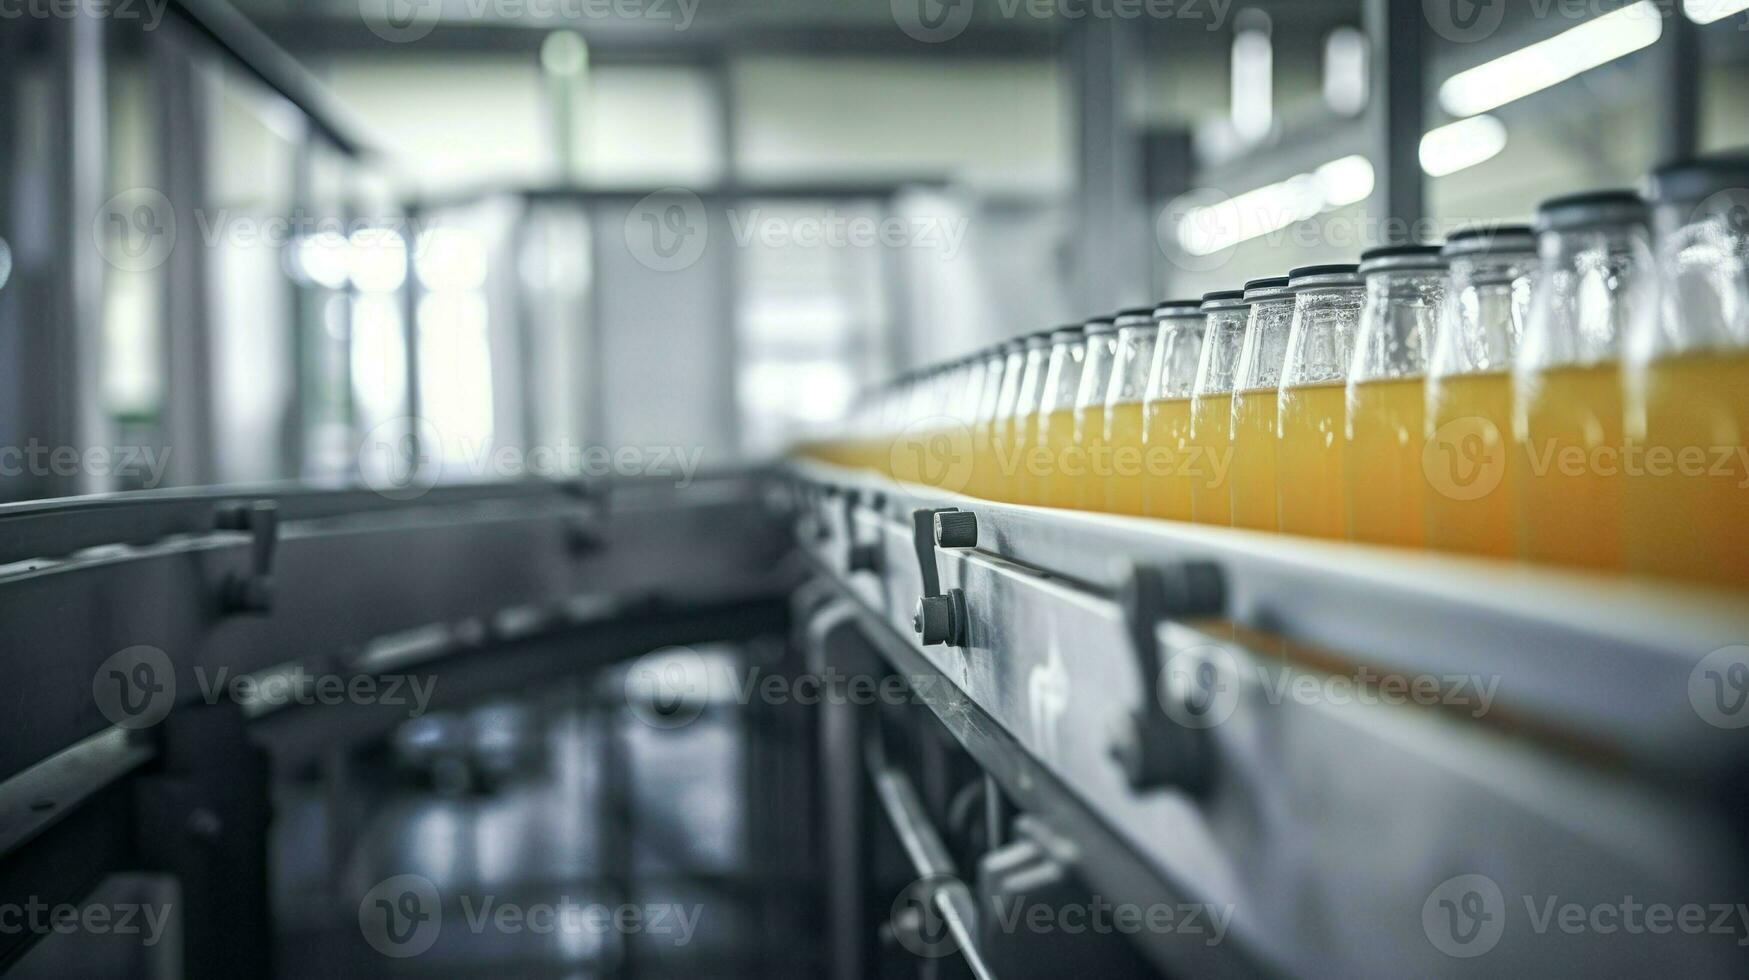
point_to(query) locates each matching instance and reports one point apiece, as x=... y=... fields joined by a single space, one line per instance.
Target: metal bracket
x=939 y=618
x=858 y=557
x=822 y=502
x=1155 y=748
x=252 y=593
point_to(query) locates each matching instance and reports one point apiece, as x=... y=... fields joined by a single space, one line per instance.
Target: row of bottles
x=1576 y=392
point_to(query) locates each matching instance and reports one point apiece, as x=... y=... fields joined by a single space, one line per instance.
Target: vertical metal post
x=202 y=815
x=532 y=382
x=1396 y=116
x=1678 y=55
x=411 y=293
x=729 y=269
x=1115 y=228
x=295 y=430
x=896 y=293
x=187 y=414
x=53 y=303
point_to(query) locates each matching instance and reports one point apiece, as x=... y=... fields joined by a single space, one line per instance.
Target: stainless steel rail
x=1561 y=758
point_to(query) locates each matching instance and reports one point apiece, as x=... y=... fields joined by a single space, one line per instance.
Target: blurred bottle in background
x=1124 y=422
x=1469 y=390
x=1258 y=381
x=1228 y=316
x=1312 y=400
x=1087 y=488
x=1595 y=272
x=1386 y=411
x=1015 y=438
x=1055 y=467
x=1169 y=459
x=1001 y=368
x=1686 y=382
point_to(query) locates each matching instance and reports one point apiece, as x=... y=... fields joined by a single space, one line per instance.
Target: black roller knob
x=956 y=529
x=865 y=558
x=941 y=619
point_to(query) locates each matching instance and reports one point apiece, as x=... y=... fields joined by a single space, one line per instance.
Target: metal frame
x=1591 y=760
x=490 y=587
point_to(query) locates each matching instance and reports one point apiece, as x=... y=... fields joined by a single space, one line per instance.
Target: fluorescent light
x=1462 y=144
x=1211 y=228
x=1345 y=80
x=1551 y=61
x=1253 y=80
x=1707 y=11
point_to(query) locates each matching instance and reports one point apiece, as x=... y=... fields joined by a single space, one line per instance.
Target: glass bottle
x=1686 y=383
x=995 y=382
x=1015 y=437
x=1312 y=401
x=1209 y=463
x=1091 y=451
x=1166 y=484
x=1060 y=467
x=1254 y=403
x=1386 y=413
x=1470 y=506
x=1125 y=419
x=1594 y=274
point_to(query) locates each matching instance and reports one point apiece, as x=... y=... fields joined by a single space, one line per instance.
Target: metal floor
x=534 y=818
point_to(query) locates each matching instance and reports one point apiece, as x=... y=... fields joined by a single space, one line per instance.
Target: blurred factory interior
x=1026 y=158
x=453 y=297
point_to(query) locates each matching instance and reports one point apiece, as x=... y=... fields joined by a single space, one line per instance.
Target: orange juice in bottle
x=1567 y=409
x=1468 y=451
x=1012 y=434
x=1686 y=501
x=1209 y=462
x=1055 y=464
x=999 y=361
x=1166 y=481
x=1311 y=403
x=1254 y=447
x=1091 y=455
x=1124 y=458
x=1385 y=418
